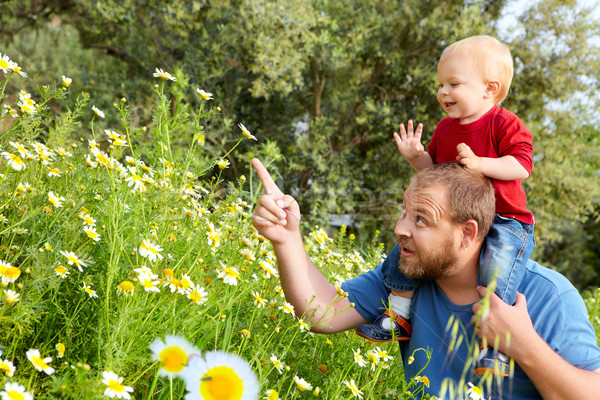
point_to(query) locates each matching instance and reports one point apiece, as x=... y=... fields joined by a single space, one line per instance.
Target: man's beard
x=429 y=266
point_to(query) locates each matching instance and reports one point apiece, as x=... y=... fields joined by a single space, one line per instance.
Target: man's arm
x=553 y=376
x=277 y=217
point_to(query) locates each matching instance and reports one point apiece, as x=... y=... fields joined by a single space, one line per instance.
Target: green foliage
x=325 y=84
x=76 y=216
x=592 y=301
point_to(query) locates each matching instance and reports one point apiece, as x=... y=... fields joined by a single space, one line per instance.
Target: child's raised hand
x=466 y=157
x=409 y=141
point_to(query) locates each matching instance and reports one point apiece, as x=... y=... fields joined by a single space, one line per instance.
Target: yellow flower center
x=136 y=177
x=173 y=359
x=3 y=63
x=14 y=395
x=102 y=158
x=60 y=270
x=39 y=362
x=16 y=159
x=232 y=273
x=126 y=286
x=177 y=283
x=116 y=386
x=12 y=273
x=221 y=383
x=273 y=395
x=148 y=283
x=195 y=296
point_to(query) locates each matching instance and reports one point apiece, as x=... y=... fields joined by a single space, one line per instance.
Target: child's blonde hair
x=491 y=56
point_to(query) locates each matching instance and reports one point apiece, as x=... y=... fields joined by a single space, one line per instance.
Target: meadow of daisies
x=130 y=275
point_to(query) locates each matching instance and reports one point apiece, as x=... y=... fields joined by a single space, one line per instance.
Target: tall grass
x=81 y=210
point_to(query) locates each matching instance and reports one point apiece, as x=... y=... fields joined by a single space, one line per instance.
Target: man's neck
x=461 y=284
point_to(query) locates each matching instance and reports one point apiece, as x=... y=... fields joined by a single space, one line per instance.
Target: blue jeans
x=505 y=251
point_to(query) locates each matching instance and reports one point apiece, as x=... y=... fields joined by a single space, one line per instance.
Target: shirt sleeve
x=515 y=140
x=566 y=328
x=432 y=146
x=368 y=293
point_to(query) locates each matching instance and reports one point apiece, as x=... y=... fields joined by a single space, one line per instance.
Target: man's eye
x=420 y=221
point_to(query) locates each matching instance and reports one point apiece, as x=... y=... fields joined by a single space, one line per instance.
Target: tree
x=324 y=84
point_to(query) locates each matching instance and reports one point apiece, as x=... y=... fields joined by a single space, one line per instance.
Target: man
x=447 y=212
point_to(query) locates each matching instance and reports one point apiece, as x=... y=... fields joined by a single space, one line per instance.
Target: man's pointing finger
x=266 y=179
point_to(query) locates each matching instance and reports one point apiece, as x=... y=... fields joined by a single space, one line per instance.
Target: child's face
x=462 y=90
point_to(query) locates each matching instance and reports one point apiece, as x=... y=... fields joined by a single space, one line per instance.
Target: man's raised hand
x=277 y=215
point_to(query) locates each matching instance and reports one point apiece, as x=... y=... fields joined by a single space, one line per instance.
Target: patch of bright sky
x=510 y=29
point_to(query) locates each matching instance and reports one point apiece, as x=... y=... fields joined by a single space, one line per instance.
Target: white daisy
x=246 y=132
x=352 y=386
x=41 y=364
x=220 y=375
x=150 y=250
x=301 y=384
x=72 y=259
x=174 y=354
x=98 y=112
x=198 y=295
x=6 y=64
x=115 y=387
x=7 y=367
x=159 y=73
x=14 y=390
x=204 y=95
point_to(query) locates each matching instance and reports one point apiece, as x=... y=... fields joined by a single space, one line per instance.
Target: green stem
x=152 y=385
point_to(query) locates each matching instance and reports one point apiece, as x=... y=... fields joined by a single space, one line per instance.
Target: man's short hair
x=470 y=193
x=492 y=58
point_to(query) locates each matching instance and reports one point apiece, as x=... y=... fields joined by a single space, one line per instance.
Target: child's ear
x=492 y=88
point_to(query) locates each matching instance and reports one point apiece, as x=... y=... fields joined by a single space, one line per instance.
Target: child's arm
x=505 y=168
x=409 y=144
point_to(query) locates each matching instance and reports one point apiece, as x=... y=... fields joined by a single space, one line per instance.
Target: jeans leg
x=393 y=278
x=506 y=249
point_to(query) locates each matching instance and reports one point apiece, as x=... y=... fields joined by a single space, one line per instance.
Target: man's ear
x=492 y=88
x=470 y=232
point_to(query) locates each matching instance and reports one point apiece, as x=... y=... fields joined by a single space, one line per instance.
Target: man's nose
x=402 y=228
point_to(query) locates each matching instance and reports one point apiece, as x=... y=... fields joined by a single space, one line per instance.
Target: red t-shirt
x=498 y=133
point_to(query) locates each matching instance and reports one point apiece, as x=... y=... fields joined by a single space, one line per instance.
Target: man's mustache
x=406 y=243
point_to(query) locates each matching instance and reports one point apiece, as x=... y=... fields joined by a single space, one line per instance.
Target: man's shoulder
x=546 y=276
x=544 y=284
